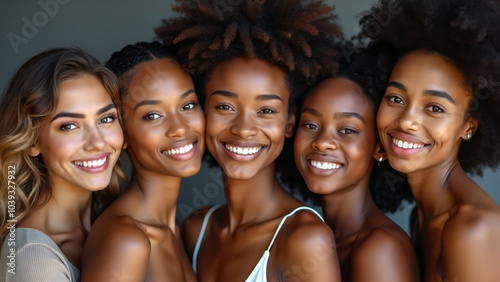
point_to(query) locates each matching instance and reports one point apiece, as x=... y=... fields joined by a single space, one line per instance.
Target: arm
x=471 y=246
x=384 y=256
x=306 y=251
x=119 y=252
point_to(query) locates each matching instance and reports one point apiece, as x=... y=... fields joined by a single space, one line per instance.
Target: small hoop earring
x=469 y=136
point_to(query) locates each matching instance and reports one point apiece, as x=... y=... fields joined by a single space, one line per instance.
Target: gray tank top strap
x=200 y=236
x=287 y=216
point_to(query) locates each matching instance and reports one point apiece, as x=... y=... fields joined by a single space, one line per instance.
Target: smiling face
x=336 y=139
x=164 y=124
x=422 y=119
x=82 y=140
x=246 y=108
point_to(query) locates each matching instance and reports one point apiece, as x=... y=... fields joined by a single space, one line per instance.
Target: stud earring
x=469 y=136
x=380 y=160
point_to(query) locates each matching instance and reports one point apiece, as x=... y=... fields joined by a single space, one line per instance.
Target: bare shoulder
x=305 y=248
x=472 y=226
x=114 y=245
x=384 y=254
x=471 y=242
x=392 y=240
x=192 y=227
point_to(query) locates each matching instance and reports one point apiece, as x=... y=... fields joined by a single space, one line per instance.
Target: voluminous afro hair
x=465 y=32
x=296 y=35
x=388 y=187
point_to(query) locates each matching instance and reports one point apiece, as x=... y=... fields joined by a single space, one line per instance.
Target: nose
x=94 y=139
x=175 y=126
x=244 y=125
x=325 y=142
x=410 y=119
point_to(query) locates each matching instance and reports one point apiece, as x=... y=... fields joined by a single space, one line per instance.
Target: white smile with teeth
x=406 y=145
x=243 y=150
x=91 y=164
x=325 y=165
x=181 y=150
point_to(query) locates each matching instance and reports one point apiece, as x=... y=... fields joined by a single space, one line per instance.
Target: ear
x=34 y=150
x=471 y=128
x=290 y=122
x=380 y=154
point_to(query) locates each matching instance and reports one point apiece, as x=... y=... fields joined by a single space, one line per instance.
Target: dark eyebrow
x=185 y=94
x=269 y=97
x=76 y=115
x=67 y=114
x=225 y=93
x=442 y=94
x=106 y=108
x=147 y=102
x=312 y=111
x=349 y=115
x=397 y=85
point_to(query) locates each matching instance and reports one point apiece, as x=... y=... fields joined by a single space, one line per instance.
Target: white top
x=259 y=272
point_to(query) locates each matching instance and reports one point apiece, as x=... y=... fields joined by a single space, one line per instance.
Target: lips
x=94 y=165
x=324 y=165
x=405 y=145
x=243 y=150
x=181 y=152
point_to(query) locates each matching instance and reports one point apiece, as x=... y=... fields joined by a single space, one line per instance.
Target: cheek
x=198 y=124
x=60 y=148
x=114 y=136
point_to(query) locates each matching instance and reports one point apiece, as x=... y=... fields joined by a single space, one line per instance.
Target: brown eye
x=151 y=116
x=189 y=106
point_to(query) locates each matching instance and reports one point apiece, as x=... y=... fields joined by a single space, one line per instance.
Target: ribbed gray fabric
x=37 y=258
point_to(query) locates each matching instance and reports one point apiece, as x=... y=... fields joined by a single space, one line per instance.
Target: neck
x=432 y=190
x=68 y=208
x=157 y=196
x=345 y=211
x=256 y=199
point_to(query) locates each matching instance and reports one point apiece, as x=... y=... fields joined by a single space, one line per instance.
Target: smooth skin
x=83 y=128
x=137 y=238
x=336 y=146
x=458 y=223
x=247 y=122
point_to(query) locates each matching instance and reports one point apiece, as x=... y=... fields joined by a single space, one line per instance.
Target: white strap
x=200 y=236
x=287 y=216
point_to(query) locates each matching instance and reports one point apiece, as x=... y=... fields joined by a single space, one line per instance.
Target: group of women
x=269 y=89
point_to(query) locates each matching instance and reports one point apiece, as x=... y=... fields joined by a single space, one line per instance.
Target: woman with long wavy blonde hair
x=60 y=138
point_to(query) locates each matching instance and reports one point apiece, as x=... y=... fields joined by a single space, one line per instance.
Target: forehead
x=81 y=93
x=245 y=76
x=340 y=95
x=429 y=71
x=158 y=76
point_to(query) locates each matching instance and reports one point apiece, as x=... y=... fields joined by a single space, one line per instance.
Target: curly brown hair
x=465 y=32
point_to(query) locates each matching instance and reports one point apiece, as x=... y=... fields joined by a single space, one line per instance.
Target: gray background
x=102 y=27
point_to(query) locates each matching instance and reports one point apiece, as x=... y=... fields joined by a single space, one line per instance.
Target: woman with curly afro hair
x=252 y=60
x=438 y=122
x=336 y=151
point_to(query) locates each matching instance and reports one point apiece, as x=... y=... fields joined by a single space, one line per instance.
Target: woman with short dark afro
x=252 y=60
x=338 y=153
x=439 y=120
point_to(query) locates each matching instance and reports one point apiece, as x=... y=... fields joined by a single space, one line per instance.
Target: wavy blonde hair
x=25 y=107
